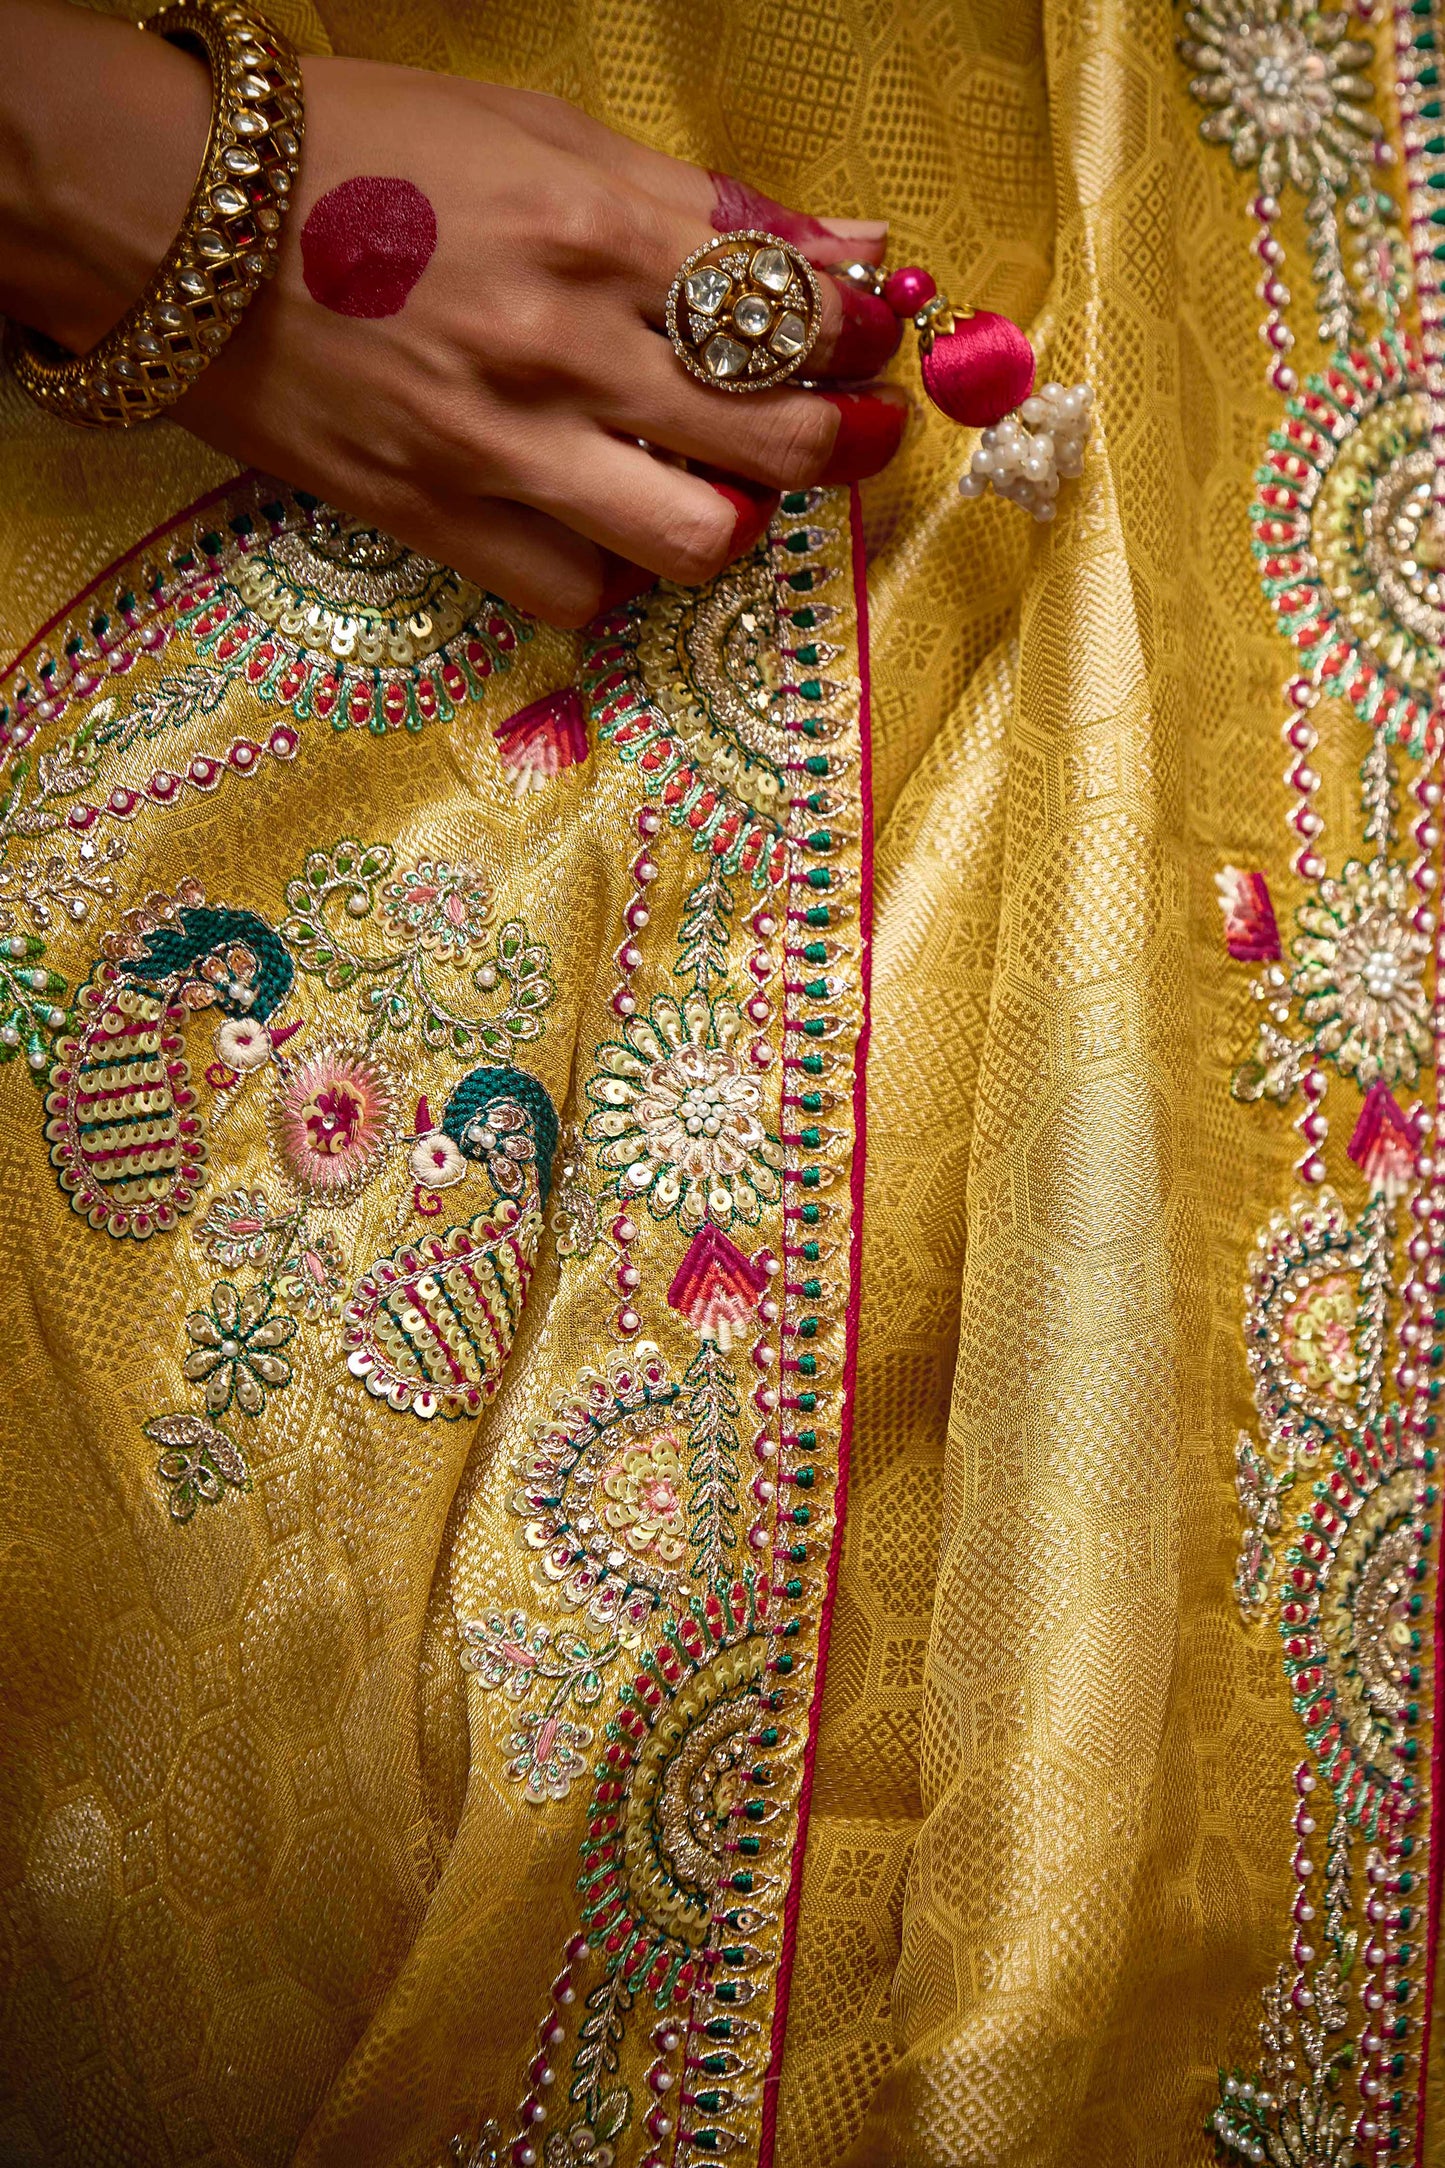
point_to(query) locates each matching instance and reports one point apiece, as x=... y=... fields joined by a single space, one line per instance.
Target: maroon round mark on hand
x=365 y=244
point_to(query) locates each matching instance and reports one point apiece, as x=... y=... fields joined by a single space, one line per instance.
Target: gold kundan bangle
x=226 y=247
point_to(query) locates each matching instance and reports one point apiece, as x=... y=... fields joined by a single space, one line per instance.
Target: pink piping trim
x=191 y=511
x=1432 y=1894
x=1437 y=1815
x=850 y=1359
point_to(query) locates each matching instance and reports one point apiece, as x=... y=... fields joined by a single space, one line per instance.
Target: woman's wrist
x=102 y=133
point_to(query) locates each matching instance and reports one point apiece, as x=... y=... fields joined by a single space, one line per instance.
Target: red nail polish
x=622 y=580
x=870 y=334
x=869 y=433
x=753 y=506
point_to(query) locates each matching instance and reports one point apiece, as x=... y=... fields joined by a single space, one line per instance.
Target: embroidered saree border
x=1338 y=1482
x=737 y=789
x=850 y=1367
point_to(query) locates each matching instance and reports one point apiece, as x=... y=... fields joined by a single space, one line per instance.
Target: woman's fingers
x=858 y=333
x=528 y=558
x=785 y=439
x=718 y=200
x=655 y=514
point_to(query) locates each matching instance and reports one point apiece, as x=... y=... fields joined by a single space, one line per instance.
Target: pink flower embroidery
x=541 y=740
x=1250 y=932
x=333 y=1121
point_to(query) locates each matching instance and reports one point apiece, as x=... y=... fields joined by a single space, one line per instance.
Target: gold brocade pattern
x=269 y=1893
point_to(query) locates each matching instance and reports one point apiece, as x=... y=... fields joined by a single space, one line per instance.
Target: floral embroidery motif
x=234 y=1347
x=643 y=1488
x=1290 y=89
x=1357 y=984
x=1317 y=1339
x=333 y=1121
x=510 y=1655
x=681 y=1774
x=198 y=1462
x=677 y=1118
x=395 y=986
x=1359 y=974
x=33 y=1003
x=391 y=639
x=312 y=1279
x=237 y=1229
x=436 y=1162
x=1341 y=500
x=442 y=908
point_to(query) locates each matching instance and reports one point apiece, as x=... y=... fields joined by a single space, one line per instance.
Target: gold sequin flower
x=677 y=1116
x=234 y=1348
x=1289 y=88
x=1358 y=974
x=643 y=1488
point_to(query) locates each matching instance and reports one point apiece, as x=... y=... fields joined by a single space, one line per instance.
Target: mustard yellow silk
x=1047 y=1868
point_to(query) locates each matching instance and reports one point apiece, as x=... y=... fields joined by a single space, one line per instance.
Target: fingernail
x=753 y=506
x=870 y=335
x=869 y=433
x=622 y=580
x=858 y=229
x=736 y=204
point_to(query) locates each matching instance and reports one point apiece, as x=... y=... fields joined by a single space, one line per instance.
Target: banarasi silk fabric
x=716 y=1417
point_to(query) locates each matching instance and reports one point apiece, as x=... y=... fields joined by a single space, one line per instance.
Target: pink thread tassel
x=979 y=371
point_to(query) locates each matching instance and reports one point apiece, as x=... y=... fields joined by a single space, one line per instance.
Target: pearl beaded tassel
x=1028 y=468
x=978 y=368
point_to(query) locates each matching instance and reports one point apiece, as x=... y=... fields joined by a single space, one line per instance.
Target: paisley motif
x=429 y=1328
x=125 y=1137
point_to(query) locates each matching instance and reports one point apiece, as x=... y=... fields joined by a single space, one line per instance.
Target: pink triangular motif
x=1251 y=933
x=1382 y=1146
x=539 y=741
x=716 y=1287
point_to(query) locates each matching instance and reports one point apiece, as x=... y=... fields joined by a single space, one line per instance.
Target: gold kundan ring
x=744 y=311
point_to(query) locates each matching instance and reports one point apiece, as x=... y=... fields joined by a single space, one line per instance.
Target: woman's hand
x=491 y=417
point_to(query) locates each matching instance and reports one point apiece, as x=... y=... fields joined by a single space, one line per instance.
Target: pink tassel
x=979 y=371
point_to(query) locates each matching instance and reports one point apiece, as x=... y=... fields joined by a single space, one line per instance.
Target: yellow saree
x=957 y=1468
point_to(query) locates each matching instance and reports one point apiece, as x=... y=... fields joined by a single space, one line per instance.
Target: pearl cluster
x=1029 y=467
